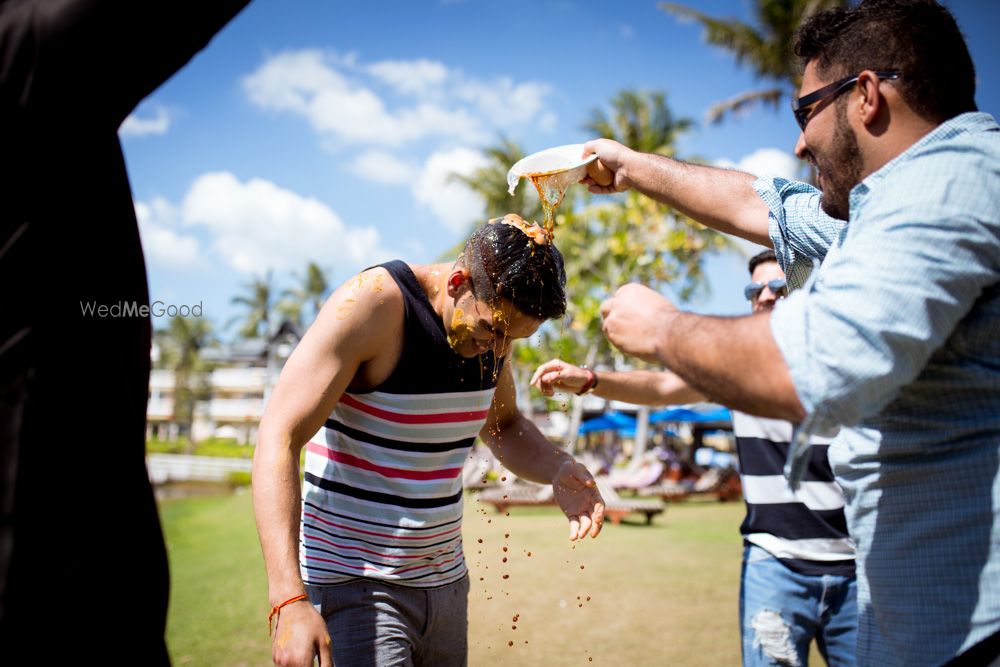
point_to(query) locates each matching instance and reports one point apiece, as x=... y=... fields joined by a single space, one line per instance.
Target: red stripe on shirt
x=385 y=471
x=403 y=418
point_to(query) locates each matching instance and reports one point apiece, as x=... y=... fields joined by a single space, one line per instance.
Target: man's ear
x=871 y=99
x=457 y=282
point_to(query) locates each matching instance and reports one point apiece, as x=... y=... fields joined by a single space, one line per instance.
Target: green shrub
x=238 y=478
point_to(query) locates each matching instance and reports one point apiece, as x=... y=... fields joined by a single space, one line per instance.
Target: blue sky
x=325 y=130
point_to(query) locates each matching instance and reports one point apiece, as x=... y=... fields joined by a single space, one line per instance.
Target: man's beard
x=841 y=171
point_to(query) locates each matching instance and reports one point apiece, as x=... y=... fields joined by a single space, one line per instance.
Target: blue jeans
x=781 y=611
x=374 y=623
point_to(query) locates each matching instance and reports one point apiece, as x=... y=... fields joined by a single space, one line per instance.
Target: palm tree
x=258 y=302
x=765 y=47
x=310 y=293
x=490 y=183
x=181 y=342
x=640 y=120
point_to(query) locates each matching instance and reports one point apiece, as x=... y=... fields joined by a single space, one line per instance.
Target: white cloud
x=257 y=225
x=505 y=103
x=158 y=122
x=411 y=77
x=162 y=244
x=382 y=167
x=339 y=97
x=767 y=162
x=454 y=204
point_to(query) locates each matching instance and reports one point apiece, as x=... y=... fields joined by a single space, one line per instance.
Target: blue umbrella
x=689 y=415
x=611 y=421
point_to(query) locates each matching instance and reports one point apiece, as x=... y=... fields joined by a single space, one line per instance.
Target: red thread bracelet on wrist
x=276 y=610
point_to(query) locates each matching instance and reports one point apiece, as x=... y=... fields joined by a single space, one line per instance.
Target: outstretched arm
x=349 y=331
x=522 y=449
x=734 y=361
x=723 y=199
x=639 y=387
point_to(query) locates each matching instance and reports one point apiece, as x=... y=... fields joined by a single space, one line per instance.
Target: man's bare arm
x=349 y=331
x=522 y=449
x=734 y=361
x=723 y=199
x=640 y=387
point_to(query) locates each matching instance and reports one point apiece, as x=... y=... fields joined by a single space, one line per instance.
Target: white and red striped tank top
x=383 y=484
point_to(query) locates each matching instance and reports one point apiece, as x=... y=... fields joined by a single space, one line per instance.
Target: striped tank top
x=382 y=496
x=806 y=530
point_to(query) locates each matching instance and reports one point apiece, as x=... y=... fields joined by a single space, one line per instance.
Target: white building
x=241 y=381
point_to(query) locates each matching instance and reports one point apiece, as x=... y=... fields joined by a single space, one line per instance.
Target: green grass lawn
x=637 y=595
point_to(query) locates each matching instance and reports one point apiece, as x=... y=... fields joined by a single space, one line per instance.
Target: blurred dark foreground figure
x=83 y=567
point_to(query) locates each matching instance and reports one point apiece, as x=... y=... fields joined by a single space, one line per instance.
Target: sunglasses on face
x=778 y=287
x=803 y=107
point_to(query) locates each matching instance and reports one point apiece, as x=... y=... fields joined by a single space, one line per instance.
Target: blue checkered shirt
x=897 y=337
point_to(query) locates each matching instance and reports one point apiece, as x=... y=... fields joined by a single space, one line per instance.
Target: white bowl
x=562 y=160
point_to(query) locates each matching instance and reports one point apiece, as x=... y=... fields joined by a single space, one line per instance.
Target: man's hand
x=557 y=374
x=300 y=636
x=609 y=173
x=576 y=492
x=637 y=321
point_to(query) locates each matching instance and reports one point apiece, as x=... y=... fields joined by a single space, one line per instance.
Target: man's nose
x=800 y=146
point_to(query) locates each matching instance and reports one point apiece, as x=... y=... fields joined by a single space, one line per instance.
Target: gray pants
x=374 y=624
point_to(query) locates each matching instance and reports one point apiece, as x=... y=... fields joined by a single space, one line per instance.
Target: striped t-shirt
x=383 y=484
x=806 y=529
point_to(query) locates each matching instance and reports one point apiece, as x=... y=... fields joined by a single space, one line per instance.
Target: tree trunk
x=576 y=416
x=641 y=436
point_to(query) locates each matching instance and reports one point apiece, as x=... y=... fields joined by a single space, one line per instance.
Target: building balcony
x=235 y=409
x=161 y=409
x=161 y=380
x=242 y=380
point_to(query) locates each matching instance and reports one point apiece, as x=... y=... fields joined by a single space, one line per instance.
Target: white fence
x=182 y=468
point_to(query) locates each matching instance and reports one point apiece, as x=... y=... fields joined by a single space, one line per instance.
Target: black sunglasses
x=777 y=286
x=804 y=106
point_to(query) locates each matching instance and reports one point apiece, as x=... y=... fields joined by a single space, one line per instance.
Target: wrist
x=275 y=615
x=280 y=595
x=591 y=382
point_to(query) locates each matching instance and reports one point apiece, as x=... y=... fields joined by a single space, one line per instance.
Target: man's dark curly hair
x=918 y=38
x=506 y=263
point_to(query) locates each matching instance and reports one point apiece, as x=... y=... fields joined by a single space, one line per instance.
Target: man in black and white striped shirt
x=797 y=582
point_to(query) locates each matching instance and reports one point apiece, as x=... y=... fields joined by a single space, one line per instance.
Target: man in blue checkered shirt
x=896 y=336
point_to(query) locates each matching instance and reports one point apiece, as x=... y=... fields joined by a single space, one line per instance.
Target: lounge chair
x=723 y=483
x=474 y=473
x=646 y=474
x=668 y=490
x=616 y=507
x=518 y=493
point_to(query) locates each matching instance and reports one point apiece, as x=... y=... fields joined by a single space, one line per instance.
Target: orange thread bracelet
x=276 y=610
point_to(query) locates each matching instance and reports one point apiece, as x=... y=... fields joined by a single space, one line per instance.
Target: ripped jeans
x=781 y=611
